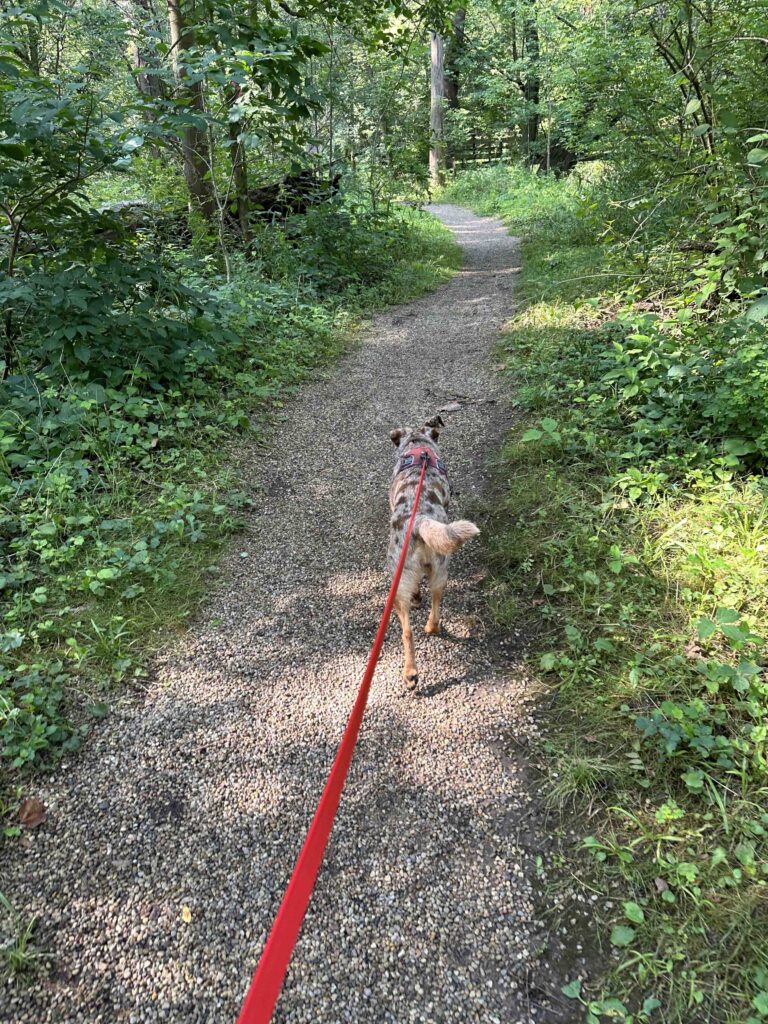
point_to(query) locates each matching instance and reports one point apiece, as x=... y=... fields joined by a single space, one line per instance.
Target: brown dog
x=433 y=539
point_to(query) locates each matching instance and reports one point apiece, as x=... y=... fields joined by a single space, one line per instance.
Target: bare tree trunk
x=331 y=87
x=148 y=82
x=454 y=50
x=33 y=37
x=532 y=87
x=453 y=53
x=437 y=127
x=194 y=140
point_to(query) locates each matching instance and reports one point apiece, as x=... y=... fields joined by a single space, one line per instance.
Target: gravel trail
x=199 y=796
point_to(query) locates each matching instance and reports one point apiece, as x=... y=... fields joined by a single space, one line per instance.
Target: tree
x=195 y=148
x=531 y=85
x=436 y=122
x=454 y=51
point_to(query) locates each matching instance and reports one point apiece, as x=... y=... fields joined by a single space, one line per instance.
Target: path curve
x=200 y=796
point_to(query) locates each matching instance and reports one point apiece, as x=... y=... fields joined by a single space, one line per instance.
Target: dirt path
x=200 y=797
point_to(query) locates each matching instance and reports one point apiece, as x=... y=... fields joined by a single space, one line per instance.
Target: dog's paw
x=432 y=629
x=411 y=681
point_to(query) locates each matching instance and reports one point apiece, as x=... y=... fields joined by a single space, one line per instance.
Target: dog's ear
x=397 y=435
x=434 y=424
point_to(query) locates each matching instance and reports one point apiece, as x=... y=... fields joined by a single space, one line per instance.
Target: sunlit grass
x=620 y=592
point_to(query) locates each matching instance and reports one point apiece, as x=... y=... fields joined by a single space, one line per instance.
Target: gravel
x=194 y=803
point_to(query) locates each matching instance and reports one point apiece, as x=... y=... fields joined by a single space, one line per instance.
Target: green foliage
x=528 y=200
x=143 y=333
x=635 y=524
x=18 y=952
x=114 y=495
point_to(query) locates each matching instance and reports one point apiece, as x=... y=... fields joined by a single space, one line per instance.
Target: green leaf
x=701 y=129
x=532 y=435
x=760 y=1003
x=12 y=150
x=694 y=780
x=549 y=424
x=613 y=1008
x=9 y=68
x=688 y=871
x=572 y=990
x=622 y=935
x=705 y=628
x=738 y=446
x=757 y=156
x=759 y=309
x=735 y=633
x=634 y=912
x=692 y=106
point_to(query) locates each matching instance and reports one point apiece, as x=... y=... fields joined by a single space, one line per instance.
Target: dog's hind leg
x=437 y=583
x=402 y=607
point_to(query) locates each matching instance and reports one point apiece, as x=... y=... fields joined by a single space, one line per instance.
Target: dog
x=433 y=539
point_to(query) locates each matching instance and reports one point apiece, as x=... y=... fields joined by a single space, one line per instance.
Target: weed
x=18 y=953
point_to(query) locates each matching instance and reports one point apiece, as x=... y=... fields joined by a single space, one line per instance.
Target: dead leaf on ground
x=32 y=812
x=450 y=407
x=186 y=914
x=661 y=885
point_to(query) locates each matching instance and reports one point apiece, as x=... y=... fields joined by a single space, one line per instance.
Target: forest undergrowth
x=630 y=535
x=140 y=375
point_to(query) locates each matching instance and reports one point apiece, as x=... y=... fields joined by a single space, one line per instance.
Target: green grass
x=115 y=498
x=630 y=534
x=18 y=953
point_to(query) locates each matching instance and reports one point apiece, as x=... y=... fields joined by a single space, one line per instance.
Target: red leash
x=273 y=964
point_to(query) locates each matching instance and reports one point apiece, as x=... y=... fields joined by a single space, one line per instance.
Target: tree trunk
x=239 y=168
x=33 y=37
x=437 y=127
x=532 y=88
x=148 y=82
x=194 y=140
x=454 y=50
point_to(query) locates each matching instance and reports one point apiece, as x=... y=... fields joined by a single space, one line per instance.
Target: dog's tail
x=444 y=537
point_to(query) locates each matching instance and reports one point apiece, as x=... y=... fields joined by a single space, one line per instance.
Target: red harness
x=414 y=456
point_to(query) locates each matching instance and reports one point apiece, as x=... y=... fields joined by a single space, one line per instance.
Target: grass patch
x=19 y=956
x=630 y=534
x=118 y=475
